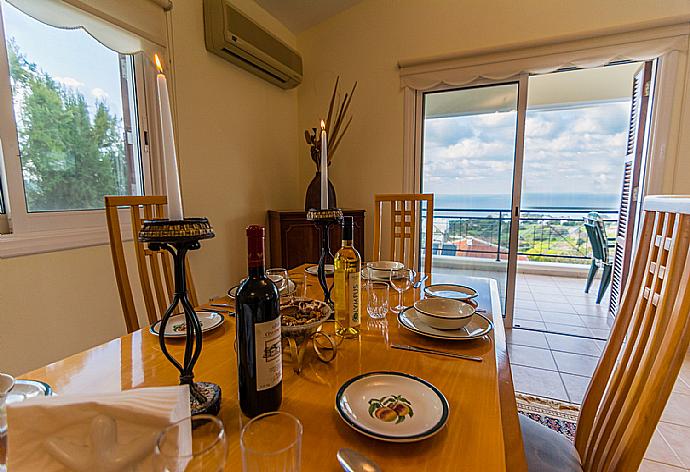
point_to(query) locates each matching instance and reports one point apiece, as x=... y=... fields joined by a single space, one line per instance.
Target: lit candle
x=172 y=177
x=324 y=167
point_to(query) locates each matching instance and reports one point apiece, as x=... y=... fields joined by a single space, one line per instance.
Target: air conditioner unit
x=236 y=38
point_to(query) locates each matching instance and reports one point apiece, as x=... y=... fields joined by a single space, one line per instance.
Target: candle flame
x=323 y=125
x=159 y=66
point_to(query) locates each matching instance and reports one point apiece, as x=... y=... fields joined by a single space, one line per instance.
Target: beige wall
x=365 y=42
x=238 y=157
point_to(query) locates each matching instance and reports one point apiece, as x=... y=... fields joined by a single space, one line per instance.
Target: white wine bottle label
x=353 y=298
x=269 y=360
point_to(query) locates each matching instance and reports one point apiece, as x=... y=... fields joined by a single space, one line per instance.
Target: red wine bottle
x=259 y=353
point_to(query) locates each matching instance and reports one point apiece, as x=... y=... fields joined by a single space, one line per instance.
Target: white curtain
x=125 y=26
x=586 y=53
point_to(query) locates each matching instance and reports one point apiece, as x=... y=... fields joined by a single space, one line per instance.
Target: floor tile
x=677 y=410
x=677 y=438
x=577 y=364
x=526 y=304
x=660 y=451
x=544 y=383
x=546 y=292
x=572 y=344
x=529 y=324
x=575 y=386
x=526 y=338
x=590 y=309
x=525 y=314
x=531 y=357
x=569 y=329
x=681 y=387
x=651 y=466
x=562 y=318
x=596 y=322
x=600 y=344
x=555 y=307
x=600 y=333
x=523 y=295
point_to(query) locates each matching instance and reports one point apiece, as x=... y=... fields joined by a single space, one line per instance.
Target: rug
x=556 y=415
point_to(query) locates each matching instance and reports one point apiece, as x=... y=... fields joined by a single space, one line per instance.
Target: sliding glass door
x=471 y=154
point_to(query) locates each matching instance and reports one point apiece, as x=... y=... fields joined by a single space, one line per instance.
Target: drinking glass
x=193 y=444
x=6 y=383
x=271 y=442
x=377 y=299
x=401 y=280
x=279 y=277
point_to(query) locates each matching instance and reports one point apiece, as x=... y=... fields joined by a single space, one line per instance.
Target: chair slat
x=155 y=263
x=144 y=276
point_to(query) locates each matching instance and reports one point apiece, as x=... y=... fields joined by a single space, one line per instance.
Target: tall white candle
x=172 y=176
x=324 y=167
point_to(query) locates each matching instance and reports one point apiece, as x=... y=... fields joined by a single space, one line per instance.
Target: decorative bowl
x=444 y=313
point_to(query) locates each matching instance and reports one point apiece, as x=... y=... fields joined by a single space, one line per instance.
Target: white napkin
x=105 y=432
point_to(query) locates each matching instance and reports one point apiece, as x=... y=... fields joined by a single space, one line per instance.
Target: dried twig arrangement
x=336 y=132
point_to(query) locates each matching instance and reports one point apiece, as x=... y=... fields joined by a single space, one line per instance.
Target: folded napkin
x=105 y=432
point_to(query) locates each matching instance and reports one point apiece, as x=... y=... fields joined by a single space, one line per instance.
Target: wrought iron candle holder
x=324 y=219
x=178 y=237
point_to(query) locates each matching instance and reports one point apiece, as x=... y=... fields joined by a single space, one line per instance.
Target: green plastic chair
x=600 y=253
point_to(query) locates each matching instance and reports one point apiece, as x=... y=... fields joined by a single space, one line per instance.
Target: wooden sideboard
x=294 y=241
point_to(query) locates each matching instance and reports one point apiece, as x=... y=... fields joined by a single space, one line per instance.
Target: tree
x=70 y=159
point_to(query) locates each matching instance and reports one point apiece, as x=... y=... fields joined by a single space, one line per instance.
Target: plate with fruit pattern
x=392 y=406
x=177 y=328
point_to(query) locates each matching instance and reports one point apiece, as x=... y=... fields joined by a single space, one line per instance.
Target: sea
x=486 y=204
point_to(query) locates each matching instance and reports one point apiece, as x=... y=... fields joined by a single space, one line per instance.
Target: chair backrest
x=646 y=347
x=404 y=217
x=155 y=267
x=597 y=236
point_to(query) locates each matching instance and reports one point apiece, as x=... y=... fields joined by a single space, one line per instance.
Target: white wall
x=238 y=157
x=365 y=42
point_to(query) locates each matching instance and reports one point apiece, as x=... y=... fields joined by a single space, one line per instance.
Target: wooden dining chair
x=642 y=358
x=405 y=212
x=154 y=267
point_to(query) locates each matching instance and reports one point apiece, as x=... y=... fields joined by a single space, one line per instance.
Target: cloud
x=99 y=93
x=69 y=81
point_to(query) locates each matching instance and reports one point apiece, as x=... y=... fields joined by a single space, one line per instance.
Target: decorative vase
x=312 y=200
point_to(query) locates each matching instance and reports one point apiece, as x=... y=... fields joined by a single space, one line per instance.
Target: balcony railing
x=545 y=234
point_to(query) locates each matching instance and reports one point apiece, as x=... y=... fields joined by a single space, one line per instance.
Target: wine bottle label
x=269 y=360
x=353 y=297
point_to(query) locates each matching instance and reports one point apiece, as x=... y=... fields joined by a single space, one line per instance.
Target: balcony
x=553 y=255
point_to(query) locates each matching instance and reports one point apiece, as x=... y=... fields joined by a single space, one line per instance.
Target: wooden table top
x=482 y=432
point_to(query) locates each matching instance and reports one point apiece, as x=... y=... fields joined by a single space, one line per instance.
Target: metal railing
x=545 y=234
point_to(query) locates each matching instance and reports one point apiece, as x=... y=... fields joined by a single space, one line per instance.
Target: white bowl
x=382 y=269
x=444 y=313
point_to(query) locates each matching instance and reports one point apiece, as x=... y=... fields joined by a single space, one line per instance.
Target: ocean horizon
x=530 y=201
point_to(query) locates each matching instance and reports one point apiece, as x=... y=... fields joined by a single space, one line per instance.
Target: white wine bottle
x=348 y=281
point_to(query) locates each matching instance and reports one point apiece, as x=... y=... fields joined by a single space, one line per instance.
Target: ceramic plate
x=386 y=266
x=477 y=327
x=176 y=327
x=392 y=406
x=232 y=293
x=31 y=388
x=443 y=307
x=311 y=270
x=457 y=292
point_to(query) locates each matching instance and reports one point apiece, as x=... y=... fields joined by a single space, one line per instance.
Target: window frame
x=23 y=232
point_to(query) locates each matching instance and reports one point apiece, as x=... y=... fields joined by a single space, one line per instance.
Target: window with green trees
x=75 y=114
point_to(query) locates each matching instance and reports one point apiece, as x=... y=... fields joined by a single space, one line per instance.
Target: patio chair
x=449 y=249
x=600 y=253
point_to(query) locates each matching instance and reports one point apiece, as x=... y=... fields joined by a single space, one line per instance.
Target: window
x=71 y=127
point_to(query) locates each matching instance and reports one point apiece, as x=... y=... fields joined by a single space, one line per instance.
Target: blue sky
x=566 y=150
x=72 y=57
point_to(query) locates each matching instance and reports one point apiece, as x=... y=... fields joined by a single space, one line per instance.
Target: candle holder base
x=206 y=399
x=324 y=219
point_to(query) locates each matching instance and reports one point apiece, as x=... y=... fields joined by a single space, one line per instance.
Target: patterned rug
x=554 y=414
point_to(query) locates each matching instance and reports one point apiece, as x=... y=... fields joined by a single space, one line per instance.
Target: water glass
x=6 y=383
x=279 y=277
x=270 y=442
x=193 y=444
x=401 y=280
x=301 y=284
x=377 y=299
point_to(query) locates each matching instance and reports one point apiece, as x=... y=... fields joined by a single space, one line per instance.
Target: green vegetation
x=70 y=159
x=541 y=237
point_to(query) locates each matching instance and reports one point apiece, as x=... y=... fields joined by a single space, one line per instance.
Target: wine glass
x=193 y=444
x=279 y=277
x=401 y=280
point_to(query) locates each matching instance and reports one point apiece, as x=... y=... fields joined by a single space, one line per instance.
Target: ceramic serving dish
x=444 y=313
x=457 y=292
x=476 y=328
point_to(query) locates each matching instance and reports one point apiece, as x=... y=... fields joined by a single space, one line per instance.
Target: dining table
x=482 y=432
